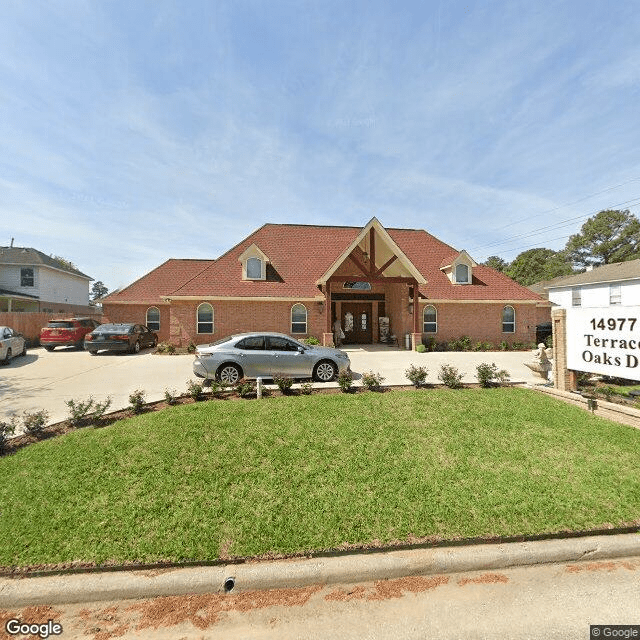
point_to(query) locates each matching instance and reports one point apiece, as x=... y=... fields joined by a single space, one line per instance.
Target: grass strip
x=284 y=475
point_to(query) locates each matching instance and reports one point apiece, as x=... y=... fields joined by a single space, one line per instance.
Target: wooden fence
x=30 y=323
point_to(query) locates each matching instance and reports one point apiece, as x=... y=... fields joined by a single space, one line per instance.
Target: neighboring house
x=608 y=285
x=32 y=281
x=297 y=279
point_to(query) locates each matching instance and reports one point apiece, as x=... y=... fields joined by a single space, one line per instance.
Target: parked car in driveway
x=66 y=332
x=120 y=337
x=253 y=355
x=11 y=344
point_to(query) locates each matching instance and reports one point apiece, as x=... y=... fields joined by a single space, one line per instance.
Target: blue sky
x=132 y=132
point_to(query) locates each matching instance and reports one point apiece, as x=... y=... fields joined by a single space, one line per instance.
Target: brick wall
x=138 y=313
x=482 y=322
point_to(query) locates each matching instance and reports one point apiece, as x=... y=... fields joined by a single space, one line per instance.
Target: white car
x=11 y=344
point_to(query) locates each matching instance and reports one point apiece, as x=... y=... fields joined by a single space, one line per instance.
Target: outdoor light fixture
x=410 y=307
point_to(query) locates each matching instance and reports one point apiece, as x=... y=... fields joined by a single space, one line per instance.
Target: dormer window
x=462 y=274
x=254 y=263
x=254 y=269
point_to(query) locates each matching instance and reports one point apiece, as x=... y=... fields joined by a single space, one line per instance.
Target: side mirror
x=301 y=349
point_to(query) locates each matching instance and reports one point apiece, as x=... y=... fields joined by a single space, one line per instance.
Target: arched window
x=429 y=319
x=205 y=318
x=508 y=319
x=462 y=274
x=254 y=269
x=298 y=318
x=153 y=318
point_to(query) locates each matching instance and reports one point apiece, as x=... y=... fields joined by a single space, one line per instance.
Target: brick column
x=563 y=379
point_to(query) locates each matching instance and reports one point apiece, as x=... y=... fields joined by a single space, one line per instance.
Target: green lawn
x=305 y=473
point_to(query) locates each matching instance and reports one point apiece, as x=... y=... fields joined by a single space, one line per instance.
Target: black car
x=120 y=337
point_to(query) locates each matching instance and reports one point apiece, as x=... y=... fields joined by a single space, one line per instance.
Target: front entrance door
x=356 y=322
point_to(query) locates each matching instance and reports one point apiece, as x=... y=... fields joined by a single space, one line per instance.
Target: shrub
x=477 y=346
x=136 y=401
x=488 y=375
x=284 y=383
x=487 y=346
x=79 y=410
x=441 y=346
x=345 y=381
x=34 y=421
x=194 y=389
x=166 y=347
x=100 y=408
x=417 y=375
x=312 y=340
x=504 y=346
x=549 y=342
x=306 y=388
x=430 y=344
x=245 y=388
x=215 y=388
x=7 y=429
x=607 y=392
x=450 y=376
x=191 y=348
x=170 y=396
x=421 y=348
x=372 y=380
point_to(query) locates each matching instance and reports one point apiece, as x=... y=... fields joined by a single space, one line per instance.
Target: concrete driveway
x=45 y=380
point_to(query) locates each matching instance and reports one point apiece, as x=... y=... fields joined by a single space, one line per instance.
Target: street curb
x=287 y=574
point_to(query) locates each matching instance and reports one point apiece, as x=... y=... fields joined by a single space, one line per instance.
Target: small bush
x=246 y=388
x=487 y=346
x=7 y=429
x=345 y=381
x=488 y=375
x=170 y=396
x=166 y=347
x=372 y=380
x=191 y=348
x=100 y=408
x=416 y=375
x=34 y=421
x=306 y=388
x=441 y=346
x=79 y=410
x=421 y=348
x=215 y=388
x=607 y=393
x=549 y=342
x=194 y=389
x=450 y=376
x=312 y=340
x=284 y=383
x=504 y=346
x=136 y=401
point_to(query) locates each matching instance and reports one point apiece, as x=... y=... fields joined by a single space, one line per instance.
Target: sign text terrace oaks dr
x=604 y=340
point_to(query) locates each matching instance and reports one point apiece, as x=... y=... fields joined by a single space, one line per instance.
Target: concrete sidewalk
x=286 y=574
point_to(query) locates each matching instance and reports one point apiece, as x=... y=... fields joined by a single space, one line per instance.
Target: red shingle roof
x=300 y=255
x=159 y=282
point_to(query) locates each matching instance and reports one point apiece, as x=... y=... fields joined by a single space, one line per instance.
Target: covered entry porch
x=371 y=292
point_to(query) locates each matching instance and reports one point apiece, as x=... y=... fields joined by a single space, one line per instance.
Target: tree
x=497 y=263
x=539 y=264
x=98 y=290
x=64 y=263
x=609 y=236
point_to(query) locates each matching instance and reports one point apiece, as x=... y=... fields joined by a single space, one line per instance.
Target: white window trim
x=198 y=323
x=146 y=318
x=455 y=273
x=576 y=297
x=263 y=270
x=424 y=311
x=615 y=298
x=306 y=318
x=503 y=322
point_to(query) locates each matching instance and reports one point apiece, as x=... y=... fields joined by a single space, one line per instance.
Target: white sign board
x=604 y=340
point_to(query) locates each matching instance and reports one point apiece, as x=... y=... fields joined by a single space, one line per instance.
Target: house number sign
x=604 y=340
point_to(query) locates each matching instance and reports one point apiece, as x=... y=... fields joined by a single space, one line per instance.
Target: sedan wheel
x=49 y=348
x=24 y=350
x=325 y=372
x=229 y=373
x=7 y=357
x=136 y=347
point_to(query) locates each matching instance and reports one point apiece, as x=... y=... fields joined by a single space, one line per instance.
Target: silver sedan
x=11 y=344
x=253 y=355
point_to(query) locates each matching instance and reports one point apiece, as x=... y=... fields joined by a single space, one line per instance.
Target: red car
x=66 y=332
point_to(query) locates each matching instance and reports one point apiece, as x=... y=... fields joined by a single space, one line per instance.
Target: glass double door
x=356 y=322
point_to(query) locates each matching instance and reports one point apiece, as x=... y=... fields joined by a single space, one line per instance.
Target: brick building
x=297 y=279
